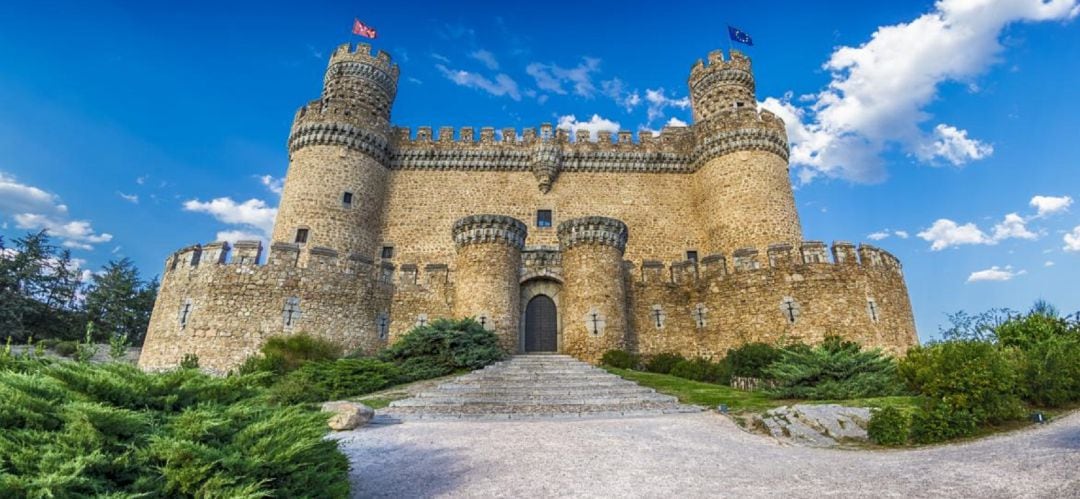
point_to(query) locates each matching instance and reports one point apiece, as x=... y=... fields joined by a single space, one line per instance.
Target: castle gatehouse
x=684 y=242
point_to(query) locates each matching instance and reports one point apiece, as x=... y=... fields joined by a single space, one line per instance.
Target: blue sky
x=943 y=132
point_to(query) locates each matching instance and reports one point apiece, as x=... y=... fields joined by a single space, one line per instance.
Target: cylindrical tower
x=743 y=187
x=486 y=273
x=338 y=151
x=594 y=288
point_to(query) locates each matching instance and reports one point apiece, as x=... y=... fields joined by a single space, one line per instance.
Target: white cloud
x=880 y=90
x=675 y=122
x=76 y=234
x=594 y=125
x=1013 y=227
x=487 y=58
x=251 y=214
x=995 y=273
x=877 y=236
x=131 y=198
x=902 y=234
x=551 y=77
x=1048 y=263
x=35 y=209
x=944 y=233
x=658 y=102
x=16 y=197
x=624 y=97
x=440 y=57
x=141 y=180
x=238 y=235
x=1050 y=205
x=272 y=184
x=954 y=146
x=503 y=84
x=1072 y=240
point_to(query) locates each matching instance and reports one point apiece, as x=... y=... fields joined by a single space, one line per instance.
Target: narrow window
x=872 y=309
x=185 y=313
x=346 y=200
x=543 y=218
x=301 y=236
x=387 y=252
x=691 y=255
x=790 y=308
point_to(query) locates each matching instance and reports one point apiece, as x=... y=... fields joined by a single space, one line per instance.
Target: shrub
x=282 y=354
x=940 y=421
x=700 y=369
x=77 y=430
x=1050 y=372
x=751 y=359
x=889 y=426
x=66 y=348
x=331 y=380
x=663 y=363
x=835 y=369
x=620 y=359
x=442 y=347
x=969 y=383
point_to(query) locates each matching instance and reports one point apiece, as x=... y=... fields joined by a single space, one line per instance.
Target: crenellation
x=509 y=136
x=284 y=254
x=446 y=134
x=188 y=257
x=844 y=253
x=814 y=252
x=780 y=255
x=487 y=135
x=714 y=265
x=746 y=259
x=246 y=252
x=423 y=135
x=214 y=253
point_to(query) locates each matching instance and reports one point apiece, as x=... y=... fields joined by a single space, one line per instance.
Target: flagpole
x=728 y=40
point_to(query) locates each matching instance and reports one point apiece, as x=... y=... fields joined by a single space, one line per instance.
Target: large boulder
x=347 y=415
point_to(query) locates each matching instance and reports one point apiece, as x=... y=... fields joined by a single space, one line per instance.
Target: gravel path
x=694 y=455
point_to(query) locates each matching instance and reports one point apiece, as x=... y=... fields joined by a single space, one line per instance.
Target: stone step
x=434 y=399
x=541 y=390
x=536 y=386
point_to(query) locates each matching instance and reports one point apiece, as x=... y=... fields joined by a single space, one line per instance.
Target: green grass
x=711 y=395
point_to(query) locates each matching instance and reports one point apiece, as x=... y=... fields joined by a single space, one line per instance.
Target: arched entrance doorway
x=541 y=325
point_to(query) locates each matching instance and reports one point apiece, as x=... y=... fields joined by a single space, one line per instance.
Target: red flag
x=359 y=28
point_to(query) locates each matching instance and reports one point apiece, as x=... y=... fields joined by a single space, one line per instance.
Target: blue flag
x=740 y=36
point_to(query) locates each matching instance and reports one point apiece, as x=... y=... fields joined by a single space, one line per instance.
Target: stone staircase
x=536 y=386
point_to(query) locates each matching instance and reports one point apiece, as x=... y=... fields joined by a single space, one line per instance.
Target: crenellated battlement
x=361 y=54
x=736 y=62
x=749 y=261
x=548 y=150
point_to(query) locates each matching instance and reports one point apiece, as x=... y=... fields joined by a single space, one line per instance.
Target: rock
x=817 y=425
x=348 y=415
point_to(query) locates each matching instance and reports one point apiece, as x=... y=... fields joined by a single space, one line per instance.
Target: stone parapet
x=593 y=230
x=477 y=229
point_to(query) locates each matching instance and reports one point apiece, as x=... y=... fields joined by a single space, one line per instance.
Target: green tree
x=38 y=289
x=119 y=302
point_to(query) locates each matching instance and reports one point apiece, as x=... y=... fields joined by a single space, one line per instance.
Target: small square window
x=543 y=218
x=691 y=255
x=387 y=252
x=346 y=199
x=301 y=236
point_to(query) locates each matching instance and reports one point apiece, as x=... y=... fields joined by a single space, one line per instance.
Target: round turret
x=339 y=150
x=594 y=289
x=721 y=85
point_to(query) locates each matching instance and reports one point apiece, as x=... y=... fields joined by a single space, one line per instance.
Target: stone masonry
x=686 y=242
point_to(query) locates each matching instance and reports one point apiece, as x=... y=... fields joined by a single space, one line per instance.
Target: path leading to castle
x=694 y=455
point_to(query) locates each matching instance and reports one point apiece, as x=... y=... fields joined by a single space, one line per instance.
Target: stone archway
x=548 y=291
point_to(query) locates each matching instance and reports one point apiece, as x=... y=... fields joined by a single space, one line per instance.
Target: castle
x=685 y=242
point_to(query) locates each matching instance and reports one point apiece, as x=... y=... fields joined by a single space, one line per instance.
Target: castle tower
x=594 y=289
x=486 y=272
x=338 y=151
x=743 y=190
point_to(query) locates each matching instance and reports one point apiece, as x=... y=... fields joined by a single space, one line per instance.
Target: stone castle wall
x=620 y=208
x=708 y=308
